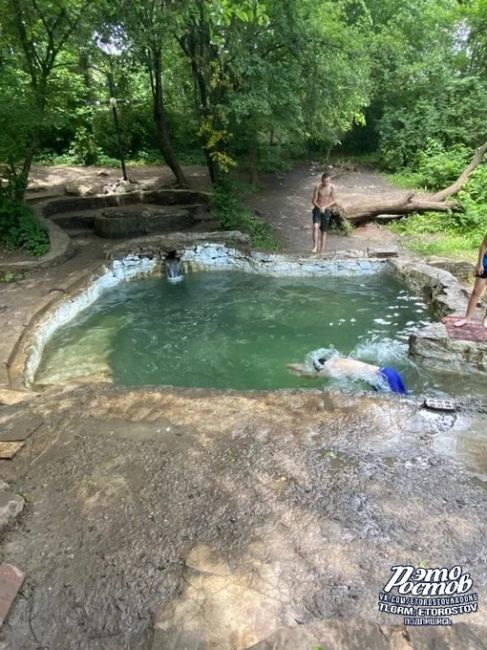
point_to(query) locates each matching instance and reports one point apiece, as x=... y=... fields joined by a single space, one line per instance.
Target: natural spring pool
x=239 y=330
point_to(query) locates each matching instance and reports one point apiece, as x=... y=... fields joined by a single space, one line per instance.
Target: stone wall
x=80 y=296
x=439 y=288
x=231 y=251
x=145 y=256
x=433 y=347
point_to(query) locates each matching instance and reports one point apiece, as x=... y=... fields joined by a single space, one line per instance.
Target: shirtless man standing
x=323 y=199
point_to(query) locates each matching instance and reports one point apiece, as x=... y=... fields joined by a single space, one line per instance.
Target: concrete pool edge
x=145 y=256
x=432 y=345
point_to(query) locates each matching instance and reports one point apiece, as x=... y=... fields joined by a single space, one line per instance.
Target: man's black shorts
x=323 y=218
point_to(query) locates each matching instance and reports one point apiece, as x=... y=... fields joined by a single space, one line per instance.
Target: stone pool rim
x=144 y=257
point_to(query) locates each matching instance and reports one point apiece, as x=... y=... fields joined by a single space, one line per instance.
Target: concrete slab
x=18 y=426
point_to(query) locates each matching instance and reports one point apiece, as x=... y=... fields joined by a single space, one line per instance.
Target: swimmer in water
x=332 y=365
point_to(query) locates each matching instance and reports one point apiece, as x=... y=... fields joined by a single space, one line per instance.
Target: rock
x=10 y=397
x=122 y=187
x=9 y=449
x=79 y=187
x=103 y=172
x=437 y=350
x=17 y=425
x=35 y=185
x=219 y=608
x=11 y=580
x=391 y=251
x=438 y=287
x=122 y=224
x=11 y=505
x=463 y=271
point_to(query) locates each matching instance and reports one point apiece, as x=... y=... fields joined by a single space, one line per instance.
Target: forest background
x=246 y=86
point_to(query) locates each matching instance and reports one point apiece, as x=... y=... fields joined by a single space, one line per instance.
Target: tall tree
x=34 y=34
x=146 y=25
x=261 y=68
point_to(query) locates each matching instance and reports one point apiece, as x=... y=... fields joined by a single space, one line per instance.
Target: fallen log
x=364 y=212
x=411 y=202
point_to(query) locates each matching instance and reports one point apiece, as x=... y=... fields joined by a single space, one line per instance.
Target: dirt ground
x=196 y=520
x=285 y=203
x=284 y=200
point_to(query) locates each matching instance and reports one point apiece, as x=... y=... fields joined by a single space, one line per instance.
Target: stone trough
x=119 y=216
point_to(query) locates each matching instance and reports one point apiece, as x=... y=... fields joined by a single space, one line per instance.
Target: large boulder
x=79 y=187
x=433 y=346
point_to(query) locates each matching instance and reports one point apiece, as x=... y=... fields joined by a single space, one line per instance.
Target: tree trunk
x=162 y=131
x=464 y=176
x=368 y=211
x=363 y=212
x=253 y=160
x=22 y=179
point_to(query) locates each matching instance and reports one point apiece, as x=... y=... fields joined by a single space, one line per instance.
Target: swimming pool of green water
x=239 y=330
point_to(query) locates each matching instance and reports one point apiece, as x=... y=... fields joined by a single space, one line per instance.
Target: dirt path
x=284 y=200
x=285 y=203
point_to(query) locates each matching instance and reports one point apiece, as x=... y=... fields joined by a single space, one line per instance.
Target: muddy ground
x=189 y=519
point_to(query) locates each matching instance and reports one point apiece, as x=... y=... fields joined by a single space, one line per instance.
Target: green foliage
x=9 y=277
x=233 y=215
x=20 y=229
x=451 y=232
x=244 y=83
x=436 y=167
x=84 y=150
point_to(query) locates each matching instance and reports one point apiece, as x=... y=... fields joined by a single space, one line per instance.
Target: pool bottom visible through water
x=239 y=330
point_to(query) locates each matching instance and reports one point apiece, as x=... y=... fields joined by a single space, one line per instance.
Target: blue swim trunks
x=484 y=274
x=394 y=380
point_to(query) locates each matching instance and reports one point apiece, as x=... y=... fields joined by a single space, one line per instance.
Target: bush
x=437 y=167
x=451 y=232
x=20 y=229
x=233 y=215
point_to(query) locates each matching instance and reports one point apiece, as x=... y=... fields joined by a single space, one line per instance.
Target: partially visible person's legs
x=316 y=229
x=478 y=289
x=325 y=222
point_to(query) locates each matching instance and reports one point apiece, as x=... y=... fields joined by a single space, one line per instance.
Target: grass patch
x=9 y=276
x=434 y=233
x=406 y=180
x=227 y=201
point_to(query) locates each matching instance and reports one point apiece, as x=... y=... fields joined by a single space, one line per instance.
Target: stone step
x=74 y=220
x=118 y=224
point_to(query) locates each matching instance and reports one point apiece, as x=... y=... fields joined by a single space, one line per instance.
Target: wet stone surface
x=194 y=519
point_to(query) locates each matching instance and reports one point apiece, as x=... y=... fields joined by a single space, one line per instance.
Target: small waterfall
x=174 y=269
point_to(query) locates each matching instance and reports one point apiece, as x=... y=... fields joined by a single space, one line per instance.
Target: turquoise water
x=238 y=330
